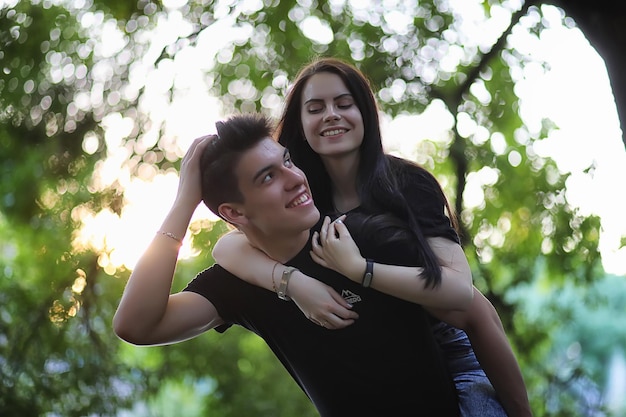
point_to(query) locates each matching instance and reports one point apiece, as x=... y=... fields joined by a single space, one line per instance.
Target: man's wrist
x=182 y=207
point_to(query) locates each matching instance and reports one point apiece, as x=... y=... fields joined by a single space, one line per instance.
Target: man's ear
x=232 y=213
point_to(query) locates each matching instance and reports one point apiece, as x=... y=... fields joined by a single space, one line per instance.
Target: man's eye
x=287 y=162
x=266 y=178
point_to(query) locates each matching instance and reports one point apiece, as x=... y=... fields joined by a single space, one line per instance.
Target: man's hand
x=189 y=184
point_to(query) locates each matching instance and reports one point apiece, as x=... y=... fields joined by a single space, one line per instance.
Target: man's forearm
x=146 y=295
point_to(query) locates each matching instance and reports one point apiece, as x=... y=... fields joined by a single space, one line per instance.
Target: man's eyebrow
x=266 y=168
x=262 y=171
x=334 y=98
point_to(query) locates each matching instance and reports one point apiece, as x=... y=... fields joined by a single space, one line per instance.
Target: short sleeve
x=427 y=203
x=206 y=285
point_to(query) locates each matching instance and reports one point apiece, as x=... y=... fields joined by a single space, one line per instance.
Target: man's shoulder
x=213 y=278
x=215 y=270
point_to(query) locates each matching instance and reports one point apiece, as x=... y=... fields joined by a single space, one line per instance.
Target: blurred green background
x=99 y=99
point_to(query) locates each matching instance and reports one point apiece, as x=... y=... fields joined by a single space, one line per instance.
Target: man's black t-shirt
x=385 y=364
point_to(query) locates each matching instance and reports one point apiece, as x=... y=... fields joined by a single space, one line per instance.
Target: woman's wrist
x=357 y=270
x=297 y=284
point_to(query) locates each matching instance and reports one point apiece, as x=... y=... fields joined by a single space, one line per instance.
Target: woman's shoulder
x=410 y=175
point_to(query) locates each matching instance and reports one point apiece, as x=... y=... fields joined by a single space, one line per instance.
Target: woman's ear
x=232 y=213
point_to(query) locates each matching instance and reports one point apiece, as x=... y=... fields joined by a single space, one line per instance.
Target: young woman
x=330 y=126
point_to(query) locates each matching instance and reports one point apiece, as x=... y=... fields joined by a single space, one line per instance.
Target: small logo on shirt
x=350 y=297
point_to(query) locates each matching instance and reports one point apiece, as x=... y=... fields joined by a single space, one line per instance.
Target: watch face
x=369 y=269
x=282 y=288
x=367 y=280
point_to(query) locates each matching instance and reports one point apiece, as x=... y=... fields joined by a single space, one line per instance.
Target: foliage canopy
x=68 y=66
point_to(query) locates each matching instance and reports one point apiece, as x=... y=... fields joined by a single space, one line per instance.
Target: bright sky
x=575 y=93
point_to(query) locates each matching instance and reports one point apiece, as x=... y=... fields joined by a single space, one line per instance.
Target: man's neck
x=281 y=248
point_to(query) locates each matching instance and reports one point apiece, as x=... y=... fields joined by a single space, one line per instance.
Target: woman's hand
x=334 y=248
x=320 y=303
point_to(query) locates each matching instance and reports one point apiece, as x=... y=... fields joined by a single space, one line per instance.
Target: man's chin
x=311 y=219
x=316 y=216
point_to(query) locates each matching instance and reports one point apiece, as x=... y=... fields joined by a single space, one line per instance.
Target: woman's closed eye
x=315 y=109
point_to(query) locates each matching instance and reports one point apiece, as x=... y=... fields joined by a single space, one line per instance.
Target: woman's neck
x=343 y=175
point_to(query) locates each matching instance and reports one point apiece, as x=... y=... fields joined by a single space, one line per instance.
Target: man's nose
x=295 y=178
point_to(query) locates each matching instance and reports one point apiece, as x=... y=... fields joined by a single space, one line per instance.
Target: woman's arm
x=318 y=301
x=339 y=252
x=484 y=329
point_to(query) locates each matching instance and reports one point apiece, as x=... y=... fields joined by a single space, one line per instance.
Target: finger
x=323 y=230
x=335 y=322
x=341 y=229
x=332 y=232
x=315 y=239
x=315 y=321
x=201 y=143
x=322 y=323
x=317 y=248
x=318 y=260
x=197 y=141
x=342 y=303
x=196 y=147
x=342 y=313
x=341 y=324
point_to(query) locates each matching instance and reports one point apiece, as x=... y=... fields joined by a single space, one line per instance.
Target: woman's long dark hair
x=380 y=178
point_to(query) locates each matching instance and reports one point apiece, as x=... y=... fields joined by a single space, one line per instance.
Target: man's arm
x=147 y=313
x=484 y=329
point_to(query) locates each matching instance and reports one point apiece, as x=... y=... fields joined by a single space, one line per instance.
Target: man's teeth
x=302 y=199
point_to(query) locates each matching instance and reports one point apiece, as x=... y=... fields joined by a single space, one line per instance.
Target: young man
x=385 y=363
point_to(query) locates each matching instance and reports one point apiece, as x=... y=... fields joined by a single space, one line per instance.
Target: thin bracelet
x=273 y=282
x=171 y=236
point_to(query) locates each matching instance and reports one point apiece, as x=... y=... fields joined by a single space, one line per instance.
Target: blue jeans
x=477 y=397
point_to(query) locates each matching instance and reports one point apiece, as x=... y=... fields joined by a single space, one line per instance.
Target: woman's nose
x=331 y=114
